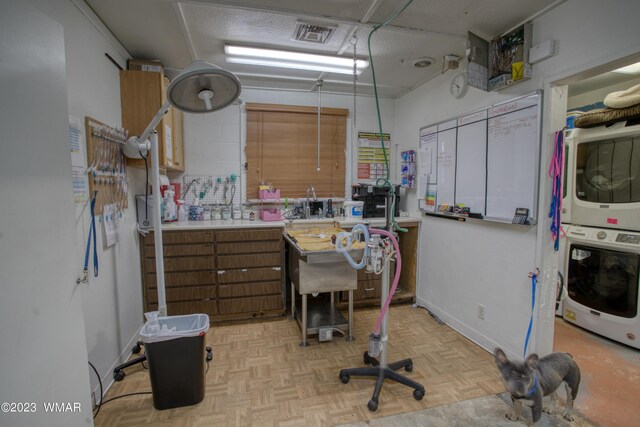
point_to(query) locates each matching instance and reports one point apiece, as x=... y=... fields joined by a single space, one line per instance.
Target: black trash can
x=175 y=349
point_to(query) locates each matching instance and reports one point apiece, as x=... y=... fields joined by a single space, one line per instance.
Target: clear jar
x=226 y=213
x=246 y=212
x=236 y=213
x=216 y=214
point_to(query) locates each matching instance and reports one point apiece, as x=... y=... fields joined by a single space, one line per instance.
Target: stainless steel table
x=314 y=272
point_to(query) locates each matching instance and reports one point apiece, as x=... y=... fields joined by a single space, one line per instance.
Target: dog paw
x=568 y=417
x=511 y=416
x=547 y=409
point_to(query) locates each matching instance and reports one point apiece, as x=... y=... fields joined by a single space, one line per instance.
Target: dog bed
x=606 y=116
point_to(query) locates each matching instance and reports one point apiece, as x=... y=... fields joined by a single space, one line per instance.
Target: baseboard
x=462 y=328
x=107 y=377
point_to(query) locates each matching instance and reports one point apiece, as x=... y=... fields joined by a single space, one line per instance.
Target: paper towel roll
x=164 y=180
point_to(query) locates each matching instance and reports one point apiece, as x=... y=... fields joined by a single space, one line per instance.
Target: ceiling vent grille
x=313 y=33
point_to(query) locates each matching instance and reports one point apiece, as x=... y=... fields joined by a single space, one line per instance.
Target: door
x=43 y=349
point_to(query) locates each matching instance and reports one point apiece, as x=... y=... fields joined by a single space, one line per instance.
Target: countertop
x=243 y=223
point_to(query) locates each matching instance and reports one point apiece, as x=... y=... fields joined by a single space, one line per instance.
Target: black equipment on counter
x=374 y=199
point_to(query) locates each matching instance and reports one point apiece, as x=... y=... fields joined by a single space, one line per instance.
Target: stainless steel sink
x=322 y=272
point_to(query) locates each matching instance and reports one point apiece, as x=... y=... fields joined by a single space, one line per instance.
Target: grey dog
x=527 y=382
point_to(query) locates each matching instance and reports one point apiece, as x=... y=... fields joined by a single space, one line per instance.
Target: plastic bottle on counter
x=183 y=212
x=170 y=210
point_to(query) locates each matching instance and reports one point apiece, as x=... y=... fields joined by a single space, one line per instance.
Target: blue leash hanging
x=534 y=281
x=92 y=234
x=556 y=171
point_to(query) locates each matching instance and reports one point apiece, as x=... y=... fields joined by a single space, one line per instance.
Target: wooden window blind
x=282 y=149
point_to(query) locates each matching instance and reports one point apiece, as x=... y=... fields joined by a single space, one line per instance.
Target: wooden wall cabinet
x=142 y=93
x=227 y=274
x=370 y=285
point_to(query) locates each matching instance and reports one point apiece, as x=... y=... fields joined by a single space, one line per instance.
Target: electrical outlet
x=481 y=309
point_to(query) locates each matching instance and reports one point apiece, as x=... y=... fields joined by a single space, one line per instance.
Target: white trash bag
x=158 y=328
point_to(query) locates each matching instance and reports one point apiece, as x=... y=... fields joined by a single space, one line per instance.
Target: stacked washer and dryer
x=601 y=218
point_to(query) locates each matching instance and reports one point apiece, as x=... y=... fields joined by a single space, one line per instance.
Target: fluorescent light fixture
x=629 y=69
x=297 y=60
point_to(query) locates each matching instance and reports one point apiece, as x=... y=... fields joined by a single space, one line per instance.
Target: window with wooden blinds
x=282 y=149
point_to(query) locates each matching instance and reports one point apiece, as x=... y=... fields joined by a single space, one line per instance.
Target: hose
x=348 y=237
x=396 y=277
x=384 y=182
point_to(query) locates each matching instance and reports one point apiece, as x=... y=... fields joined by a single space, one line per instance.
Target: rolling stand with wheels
x=118 y=371
x=379 y=367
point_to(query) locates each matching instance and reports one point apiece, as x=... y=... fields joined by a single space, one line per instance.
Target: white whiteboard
x=487 y=161
x=511 y=162
x=446 y=167
x=471 y=171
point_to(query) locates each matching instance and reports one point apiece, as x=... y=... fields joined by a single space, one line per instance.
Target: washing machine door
x=603 y=279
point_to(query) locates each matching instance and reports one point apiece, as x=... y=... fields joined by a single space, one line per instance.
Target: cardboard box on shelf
x=145 y=65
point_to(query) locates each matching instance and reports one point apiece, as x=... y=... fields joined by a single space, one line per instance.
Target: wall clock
x=459 y=85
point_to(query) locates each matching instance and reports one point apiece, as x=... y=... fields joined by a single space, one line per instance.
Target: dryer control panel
x=604 y=235
x=633 y=239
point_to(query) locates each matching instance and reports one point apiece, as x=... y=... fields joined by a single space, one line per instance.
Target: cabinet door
x=178 y=141
x=142 y=93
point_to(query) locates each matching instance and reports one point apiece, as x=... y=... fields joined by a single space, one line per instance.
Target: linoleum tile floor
x=610 y=385
x=260 y=376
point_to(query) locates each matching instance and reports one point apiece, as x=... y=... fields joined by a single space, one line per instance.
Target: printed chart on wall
x=370 y=155
x=78 y=168
x=485 y=162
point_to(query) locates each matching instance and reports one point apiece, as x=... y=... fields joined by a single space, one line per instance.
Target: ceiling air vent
x=313 y=33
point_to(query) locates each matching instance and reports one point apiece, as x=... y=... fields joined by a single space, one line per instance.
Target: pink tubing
x=396 y=278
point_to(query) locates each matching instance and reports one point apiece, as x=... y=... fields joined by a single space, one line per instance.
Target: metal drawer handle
x=221 y=271
x=369 y=289
x=244 y=270
x=277 y=268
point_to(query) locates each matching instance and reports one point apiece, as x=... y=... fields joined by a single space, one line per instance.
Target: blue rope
x=92 y=234
x=556 y=200
x=532 y=390
x=534 y=279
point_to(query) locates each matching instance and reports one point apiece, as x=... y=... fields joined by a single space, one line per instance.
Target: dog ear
x=501 y=358
x=532 y=361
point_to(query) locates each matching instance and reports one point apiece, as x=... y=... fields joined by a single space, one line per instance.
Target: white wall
x=43 y=355
x=212 y=141
x=466 y=264
x=598 y=95
x=113 y=301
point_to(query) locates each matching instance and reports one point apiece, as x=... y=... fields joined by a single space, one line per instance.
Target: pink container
x=269 y=195
x=270 y=215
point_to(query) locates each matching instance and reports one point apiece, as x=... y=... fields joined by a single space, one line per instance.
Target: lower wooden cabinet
x=369 y=289
x=229 y=274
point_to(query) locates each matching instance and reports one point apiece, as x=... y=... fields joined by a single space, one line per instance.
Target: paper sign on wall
x=371 y=163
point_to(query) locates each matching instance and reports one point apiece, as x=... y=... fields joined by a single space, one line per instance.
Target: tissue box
x=269 y=195
x=270 y=215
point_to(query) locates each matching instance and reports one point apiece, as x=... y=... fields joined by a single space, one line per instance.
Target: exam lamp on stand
x=199 y=88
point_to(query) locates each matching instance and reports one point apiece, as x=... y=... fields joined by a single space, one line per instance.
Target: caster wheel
x=344 y=379
x=409 y=367
x=367 y=359
x=119 y=376
x=418 y=394
x=372 y=405
x=136 y=349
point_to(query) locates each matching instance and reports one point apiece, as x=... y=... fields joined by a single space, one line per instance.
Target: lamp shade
x=203 y=88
